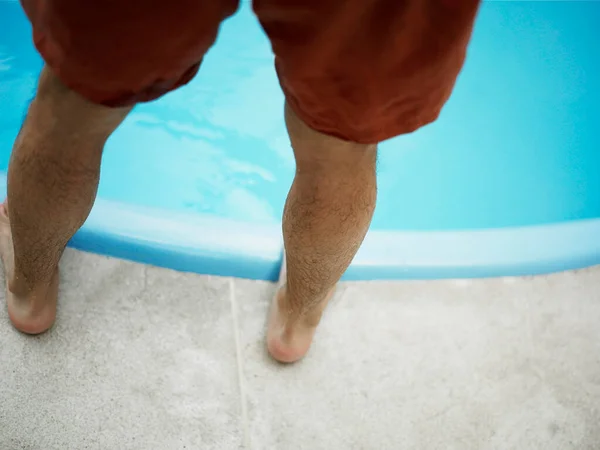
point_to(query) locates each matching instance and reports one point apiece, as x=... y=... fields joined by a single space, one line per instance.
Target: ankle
x=302 y=309
x=18 y=286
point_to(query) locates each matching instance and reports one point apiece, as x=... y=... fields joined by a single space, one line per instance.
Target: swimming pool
x=506 y=182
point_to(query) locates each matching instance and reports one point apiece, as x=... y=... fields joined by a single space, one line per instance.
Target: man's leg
x=327 y=214
x=362 y=72
x=111 y=56
x=52 y=181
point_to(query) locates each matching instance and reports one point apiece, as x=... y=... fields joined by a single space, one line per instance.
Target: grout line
x=240 y=367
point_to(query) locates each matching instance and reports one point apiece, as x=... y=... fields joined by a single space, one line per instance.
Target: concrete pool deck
x=148 y=358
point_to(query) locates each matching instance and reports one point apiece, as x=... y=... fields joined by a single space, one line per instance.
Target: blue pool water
x=507 y=181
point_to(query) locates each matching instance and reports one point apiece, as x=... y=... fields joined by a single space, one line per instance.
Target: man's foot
x=35 y=311
x=290 y=333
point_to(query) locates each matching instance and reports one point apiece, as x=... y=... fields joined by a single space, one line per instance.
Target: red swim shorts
x=360 y=70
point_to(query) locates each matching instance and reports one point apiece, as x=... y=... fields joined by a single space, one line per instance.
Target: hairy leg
x=327 y=214
x=52 y=181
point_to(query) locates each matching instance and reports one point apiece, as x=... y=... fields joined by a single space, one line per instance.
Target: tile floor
x=147 y=358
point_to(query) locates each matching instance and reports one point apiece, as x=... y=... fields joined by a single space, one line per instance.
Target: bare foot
x=34 y=312
x=290 y=334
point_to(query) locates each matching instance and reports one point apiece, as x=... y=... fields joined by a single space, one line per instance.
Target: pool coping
x=210 y=245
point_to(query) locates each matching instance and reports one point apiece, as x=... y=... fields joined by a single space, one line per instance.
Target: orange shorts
x=360 y=70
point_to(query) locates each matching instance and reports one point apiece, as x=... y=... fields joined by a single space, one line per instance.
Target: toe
x=282 y=352
x=33 y=326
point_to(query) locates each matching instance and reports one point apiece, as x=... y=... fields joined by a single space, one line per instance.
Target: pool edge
x=516 y=251
x=214 y=246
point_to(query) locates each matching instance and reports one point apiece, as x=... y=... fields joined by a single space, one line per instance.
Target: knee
x=49 y=85
x=320 y=155
x=58 y=111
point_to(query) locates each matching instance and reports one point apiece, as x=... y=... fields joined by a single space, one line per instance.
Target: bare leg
x=327 y=214
x=52 y=181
